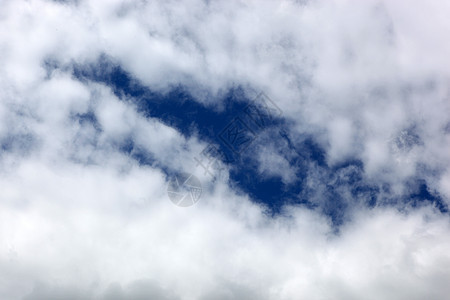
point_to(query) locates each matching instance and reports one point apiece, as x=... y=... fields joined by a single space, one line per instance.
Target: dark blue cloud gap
x=178 y=109
x=20 y=143
x=126 y=146
x=140 y=155
x=421 y=194
x=86 y=118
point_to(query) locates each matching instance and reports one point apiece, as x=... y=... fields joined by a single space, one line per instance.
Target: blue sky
x=178 y=109
x=337 y=187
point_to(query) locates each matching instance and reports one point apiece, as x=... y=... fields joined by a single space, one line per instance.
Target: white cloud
x=81 y=219
x=87 y=230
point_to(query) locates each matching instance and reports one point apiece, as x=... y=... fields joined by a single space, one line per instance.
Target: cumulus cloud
x=84 y=212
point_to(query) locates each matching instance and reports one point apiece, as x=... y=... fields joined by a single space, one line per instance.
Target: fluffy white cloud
x=91 y=231
x=80 y=219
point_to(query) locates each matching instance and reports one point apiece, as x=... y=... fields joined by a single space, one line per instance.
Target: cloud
x=83 y=172
x=93 y=230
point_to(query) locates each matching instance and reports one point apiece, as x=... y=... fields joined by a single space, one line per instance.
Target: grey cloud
x=368 y=81
x=138 y=290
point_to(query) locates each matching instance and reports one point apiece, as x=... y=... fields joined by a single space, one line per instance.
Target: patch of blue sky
x=340 y=187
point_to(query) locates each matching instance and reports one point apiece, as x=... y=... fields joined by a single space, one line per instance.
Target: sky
x=197 y=149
